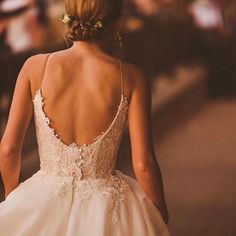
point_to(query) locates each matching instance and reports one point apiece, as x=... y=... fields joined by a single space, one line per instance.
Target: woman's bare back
x=81 y=94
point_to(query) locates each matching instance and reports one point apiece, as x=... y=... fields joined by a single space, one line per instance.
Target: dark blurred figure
x=8 y=72
x=177 y=38
x=3 y=45
x=218 y=42
x=167 y=37
x=42 y=6
x=4 y=56
x=4 y=86
x=229 y=15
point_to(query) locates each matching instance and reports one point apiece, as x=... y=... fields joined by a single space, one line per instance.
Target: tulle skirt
x=35 y=209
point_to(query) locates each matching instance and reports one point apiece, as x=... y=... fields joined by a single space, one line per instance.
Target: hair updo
x=90 y=20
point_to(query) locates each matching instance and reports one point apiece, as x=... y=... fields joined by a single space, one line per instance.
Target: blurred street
x=198 y=165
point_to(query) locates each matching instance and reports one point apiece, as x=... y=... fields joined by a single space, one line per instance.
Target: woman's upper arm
x=21 y=111
x=139 y=119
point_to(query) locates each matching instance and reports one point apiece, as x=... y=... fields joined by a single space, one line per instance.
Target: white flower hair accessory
x=95 y=24
x=66 y=19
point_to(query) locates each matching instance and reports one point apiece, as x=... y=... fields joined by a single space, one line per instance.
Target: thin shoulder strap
x=44 y=69
x=121 y=76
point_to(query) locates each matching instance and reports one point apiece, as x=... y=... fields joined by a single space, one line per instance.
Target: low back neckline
x=123 y=100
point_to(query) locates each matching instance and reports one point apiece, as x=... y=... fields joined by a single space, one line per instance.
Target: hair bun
x=86 y=31
x=91 y=20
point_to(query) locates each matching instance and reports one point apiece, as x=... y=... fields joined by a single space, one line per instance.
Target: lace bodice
x=85 y=168
x=95 y=160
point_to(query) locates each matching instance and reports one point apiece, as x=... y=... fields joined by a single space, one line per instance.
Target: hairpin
x=99 y=24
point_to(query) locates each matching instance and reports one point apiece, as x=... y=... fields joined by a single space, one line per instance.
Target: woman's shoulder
x=136 y=76
x=37 y=58
x=35 y=63
x=33 y=68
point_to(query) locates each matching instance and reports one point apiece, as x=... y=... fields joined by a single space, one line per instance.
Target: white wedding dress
x=77 y=191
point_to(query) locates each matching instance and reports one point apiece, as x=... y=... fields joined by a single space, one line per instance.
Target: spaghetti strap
x=44 y=69
x=121 y=77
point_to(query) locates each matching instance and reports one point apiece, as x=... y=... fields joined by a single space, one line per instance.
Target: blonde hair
x=86 y=15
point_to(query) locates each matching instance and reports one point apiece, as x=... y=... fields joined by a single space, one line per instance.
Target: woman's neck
x=86 y=47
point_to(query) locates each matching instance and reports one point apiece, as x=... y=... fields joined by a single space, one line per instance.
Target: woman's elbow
x=144 y=167
x=8 y=151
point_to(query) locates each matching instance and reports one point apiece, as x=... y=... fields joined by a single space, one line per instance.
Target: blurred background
x=187 y=49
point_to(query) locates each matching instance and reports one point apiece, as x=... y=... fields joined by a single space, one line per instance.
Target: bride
x=81 y=99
